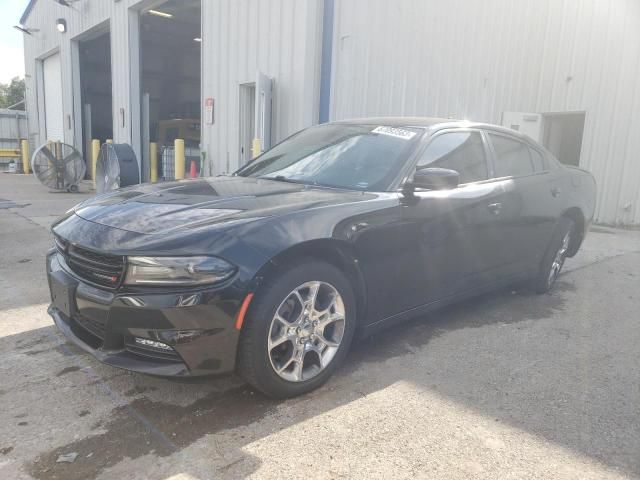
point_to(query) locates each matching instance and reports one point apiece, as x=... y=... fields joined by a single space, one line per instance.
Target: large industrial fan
x=117 y=167
x=58 y=166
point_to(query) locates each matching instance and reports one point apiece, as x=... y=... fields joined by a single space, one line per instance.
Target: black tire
x=254 y=362
x=546 y=279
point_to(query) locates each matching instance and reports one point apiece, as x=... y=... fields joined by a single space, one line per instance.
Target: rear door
x=530 y=201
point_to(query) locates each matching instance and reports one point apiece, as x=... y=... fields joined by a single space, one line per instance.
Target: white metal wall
x=281 y=38
x=469 y=59
x=457 y=58
x=84 y=16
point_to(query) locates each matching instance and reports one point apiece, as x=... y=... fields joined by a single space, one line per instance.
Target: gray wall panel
x=475 y=60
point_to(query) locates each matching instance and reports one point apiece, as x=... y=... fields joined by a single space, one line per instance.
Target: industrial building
x=222 y=74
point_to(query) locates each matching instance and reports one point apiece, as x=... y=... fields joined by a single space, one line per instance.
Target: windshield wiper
x=281 y=178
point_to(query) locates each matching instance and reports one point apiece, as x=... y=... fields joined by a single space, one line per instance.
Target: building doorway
x=170 y=75
x=562 y=135
x=247 y=121
x=94 y=55
x=560 y=132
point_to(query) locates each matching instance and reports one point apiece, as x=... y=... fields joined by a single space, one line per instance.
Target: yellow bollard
x=153 y=157
x=179 y=158
x=256 y=147
x=24 y=149
x=95 y=153
x=108 y=140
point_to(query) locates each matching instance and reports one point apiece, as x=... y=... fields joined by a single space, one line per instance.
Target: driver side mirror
x=433 y=179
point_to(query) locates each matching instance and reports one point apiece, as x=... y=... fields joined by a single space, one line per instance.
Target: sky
x=11 y=56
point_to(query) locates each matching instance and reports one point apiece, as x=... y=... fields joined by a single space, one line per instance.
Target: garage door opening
x=95 y=90
x=170 y=82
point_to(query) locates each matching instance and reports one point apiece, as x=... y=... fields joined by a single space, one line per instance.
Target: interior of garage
x=170 y=81
x=96 y=91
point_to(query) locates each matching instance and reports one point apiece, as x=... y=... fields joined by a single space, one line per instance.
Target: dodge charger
x=341 y=230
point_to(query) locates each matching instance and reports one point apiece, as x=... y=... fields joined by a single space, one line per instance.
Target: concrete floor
x=509 y=385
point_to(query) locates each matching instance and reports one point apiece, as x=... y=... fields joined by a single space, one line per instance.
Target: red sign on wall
x=208 y=111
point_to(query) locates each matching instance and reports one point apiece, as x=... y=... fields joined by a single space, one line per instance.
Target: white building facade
x=563 y=71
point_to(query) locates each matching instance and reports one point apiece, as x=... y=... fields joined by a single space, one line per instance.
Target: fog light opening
x=152 y=343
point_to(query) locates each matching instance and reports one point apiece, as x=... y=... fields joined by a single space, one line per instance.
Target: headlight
x=177 y=270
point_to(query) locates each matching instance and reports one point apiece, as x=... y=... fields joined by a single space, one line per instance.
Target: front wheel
x=298 y=330
x=554 y=257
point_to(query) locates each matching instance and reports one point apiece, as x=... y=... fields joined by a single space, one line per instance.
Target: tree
x=12 y=93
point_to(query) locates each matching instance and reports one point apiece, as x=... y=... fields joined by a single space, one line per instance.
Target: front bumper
x=196 y=327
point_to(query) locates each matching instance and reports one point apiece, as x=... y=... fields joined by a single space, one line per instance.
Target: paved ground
x=510 y=385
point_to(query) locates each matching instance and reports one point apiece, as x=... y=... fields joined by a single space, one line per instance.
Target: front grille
x=101 y=269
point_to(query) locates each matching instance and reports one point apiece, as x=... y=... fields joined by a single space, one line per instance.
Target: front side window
x=459 y=151
x=512 y=157
x=358 y=157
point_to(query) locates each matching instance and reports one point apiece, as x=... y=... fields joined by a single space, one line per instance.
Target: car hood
x=167 y=207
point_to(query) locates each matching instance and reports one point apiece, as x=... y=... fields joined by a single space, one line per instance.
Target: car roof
x=397 y=121
x=434 y=123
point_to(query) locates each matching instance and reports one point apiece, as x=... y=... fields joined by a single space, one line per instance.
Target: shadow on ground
x=144 y=426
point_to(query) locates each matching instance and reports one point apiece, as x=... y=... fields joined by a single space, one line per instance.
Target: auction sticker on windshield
x=395 y=132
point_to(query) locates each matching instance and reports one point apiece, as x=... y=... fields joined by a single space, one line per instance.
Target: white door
x=264 y=92
x=529 y=124
x=53 y=113
x=247 y=121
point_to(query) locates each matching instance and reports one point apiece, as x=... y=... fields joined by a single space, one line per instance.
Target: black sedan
x=341 y=230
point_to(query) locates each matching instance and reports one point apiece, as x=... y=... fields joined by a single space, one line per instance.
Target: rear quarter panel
x=581 y=188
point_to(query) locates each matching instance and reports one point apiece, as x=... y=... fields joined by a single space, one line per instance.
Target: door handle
x=555 y=191
x=495 y=208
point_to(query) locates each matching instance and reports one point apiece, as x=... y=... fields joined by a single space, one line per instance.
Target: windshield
x=358 y=157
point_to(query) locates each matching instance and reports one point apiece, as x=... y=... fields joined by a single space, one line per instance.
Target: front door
x=436 y=243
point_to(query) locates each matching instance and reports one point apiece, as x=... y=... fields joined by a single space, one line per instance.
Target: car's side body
x=444 y=233
x=403 y=252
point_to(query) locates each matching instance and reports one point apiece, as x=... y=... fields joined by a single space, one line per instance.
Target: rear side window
x=539 y=162
x=459 y=151
x=512 y=157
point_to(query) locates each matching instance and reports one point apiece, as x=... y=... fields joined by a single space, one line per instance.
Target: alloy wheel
x=558 y=261
x=306 y=331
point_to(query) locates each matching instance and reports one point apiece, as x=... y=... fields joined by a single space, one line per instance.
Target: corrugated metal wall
x=281 y=38
x=83 y=17
x=468 y=59
x=13 y=127
x=410 y=57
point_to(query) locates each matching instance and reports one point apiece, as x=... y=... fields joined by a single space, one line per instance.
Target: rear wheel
x=554 y=257
x=298 y=330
